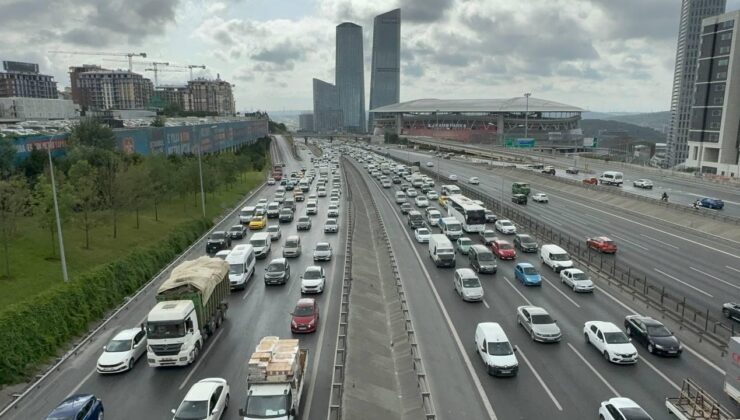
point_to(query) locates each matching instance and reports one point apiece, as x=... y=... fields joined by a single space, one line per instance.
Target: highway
x=148 y=393
x=701 y=267
x=565 y=380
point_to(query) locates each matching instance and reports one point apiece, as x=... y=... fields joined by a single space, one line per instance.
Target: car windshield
x=465 y=242
x=609 y=243
x=118 y=345
x=218 y=235
x=634 y=413
x=303 y=310
x=485 y=256
x=506 y=223
x=236 y=268
x=236 y=228
x=579 y=276
x=257 y=243
x=272 y=228
x=192 y=410
x=542 y=319
x=422 y=231
x=291 y=243
x=470 y=282
x=505 y=245
x=525 y=239
x=559 y=257
x=658 y=331
x=312 y=274
x=246 y=213
x=488 y=234
x=453 y=227
x=256 y=218
x=331 y=222
x=276 y=267
x=499 y=349
x=434 y=214
x=529 y=270
x=475 y=217
x=616 y=338
x=161 y=330
x=322 y=247
x=303 y=220
x=266 y=407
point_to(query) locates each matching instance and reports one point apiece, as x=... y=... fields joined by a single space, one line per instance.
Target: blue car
x=711 y=203
x=78 y=407
x=527 y=274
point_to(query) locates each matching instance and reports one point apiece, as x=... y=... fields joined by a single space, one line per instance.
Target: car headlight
x=293 y=323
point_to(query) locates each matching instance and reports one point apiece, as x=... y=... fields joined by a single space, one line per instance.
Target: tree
x=14 y=196
x=42 y=202
x=35 y=163
x=91 y=133
x=7 y=156
x=158 y=121
x=172 y=109
x=110 y=186
x=133 y=183
x=84 y=178
x=159 y=171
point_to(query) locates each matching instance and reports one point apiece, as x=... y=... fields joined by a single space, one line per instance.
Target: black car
x=415 y=219
x=237 y=232
x=277 y=272
x=396 y=180
x=731 y=310
x=217 y=241
x=652 y=334
x=289 y=186
x=283 y=181
x=525 y=243
x=519 y=199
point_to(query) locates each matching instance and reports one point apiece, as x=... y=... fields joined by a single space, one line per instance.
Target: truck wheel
x=196 y=352
x=726 y=313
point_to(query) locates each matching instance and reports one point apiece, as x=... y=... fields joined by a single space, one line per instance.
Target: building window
x=722 y=75
x=726 y=36
x=719 y=87
x=724 y=50
x=714 y=125
x=723 y=62
x=717 y=113
x=719 y=100
x=727 y=24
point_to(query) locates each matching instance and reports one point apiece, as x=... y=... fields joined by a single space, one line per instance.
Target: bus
x=470 y=215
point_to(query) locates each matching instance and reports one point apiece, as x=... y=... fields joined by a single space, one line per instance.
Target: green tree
x=111 y=193
x=91 y=133
x=84 y=178
x=133 y=186
x=14 y=195
x=160 y=173
x=35 y=163
x=7 y=156
x=158 y=121
x=42 y=202
x=172 y=110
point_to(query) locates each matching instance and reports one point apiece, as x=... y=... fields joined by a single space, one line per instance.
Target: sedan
x=305 y=316
x=731 y=310
x=432 y=195
x=652 y=334
x=237 y=232
x=467 y=285
x=602 y=244
x=207 y=399
x=505 y=226
x=406 y=208
x=286 y=216
x=304 y=223
x=78 y=407
x=525 y=243
x=711 y=203
x=332 y=211
x=331 y=226
x=487 y=236
x=421 y=201
x=610 y=341
x=430 y=164
x=218 y=241
x=490 y=216
x=540 y=198
x=643 y=183
x=577 y=280
x=452 y=177
x=322 y=252
x=474 y=180
x=270 y=181
x=275 y=232
x=463 y=245
x=258 y=222
x=527 y=274
x=538 y=323
x=622 y=408
x=120 y=354
x=422 y=235
x=411 y=192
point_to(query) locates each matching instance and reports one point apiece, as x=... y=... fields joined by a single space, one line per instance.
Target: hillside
x=655 y=120
x=591 y=128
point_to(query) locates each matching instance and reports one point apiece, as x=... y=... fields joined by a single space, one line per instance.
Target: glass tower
x=385 y=76
x=350 y=76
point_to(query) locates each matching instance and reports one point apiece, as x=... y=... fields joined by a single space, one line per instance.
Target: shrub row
x=33 y=331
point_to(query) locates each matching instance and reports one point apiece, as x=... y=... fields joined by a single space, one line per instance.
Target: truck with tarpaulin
x=520 y=188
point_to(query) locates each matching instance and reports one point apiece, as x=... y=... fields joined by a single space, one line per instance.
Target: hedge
x=34 y=331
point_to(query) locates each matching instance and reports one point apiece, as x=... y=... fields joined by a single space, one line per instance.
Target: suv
x=277 y=272
x=292 y=247
x=322 y=252
x=313 y=280
x=304 y=223
x=286 y=216
x=415 y=219
x=217 y=241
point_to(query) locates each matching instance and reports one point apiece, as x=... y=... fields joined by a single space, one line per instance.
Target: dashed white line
x=549 y=220
x=683 y=282
x=201 y=358
x=539 y=378
x=715 y=277
x=557 y=289
x=596 y=372
x=629 y=242
x=732 y=268
x=661 y=374
x=486 y=304
x=517 y=290
x=659 y=241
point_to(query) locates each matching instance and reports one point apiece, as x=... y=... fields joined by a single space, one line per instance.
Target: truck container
x=694 y=403
x=732 y=377
x=277 y=171
x=191 y=306
x=520 y=188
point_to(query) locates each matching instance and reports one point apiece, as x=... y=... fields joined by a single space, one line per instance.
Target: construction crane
x=191 y=67
x=128 y=55
x=155 y=68
x=158 y=70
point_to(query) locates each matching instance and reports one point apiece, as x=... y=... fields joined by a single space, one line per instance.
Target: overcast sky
x=602 y=55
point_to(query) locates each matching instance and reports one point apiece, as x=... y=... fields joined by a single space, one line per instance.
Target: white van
x=245 y=214
x=400 y=197
x=612 y=178
x=495 y=349
x=451 y=189
x=241 y=265
x=451 y=227
x=555 y=257
x=441 y=250
x=261 y=242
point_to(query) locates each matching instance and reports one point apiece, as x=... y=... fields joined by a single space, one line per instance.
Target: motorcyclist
x=664 y=197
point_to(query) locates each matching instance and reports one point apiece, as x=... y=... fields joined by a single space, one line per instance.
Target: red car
x=305 y=316
x=591 y=181
x=602 y=244
x=503 y=249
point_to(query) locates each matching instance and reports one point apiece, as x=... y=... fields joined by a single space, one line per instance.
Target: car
x=411 y=192
x=572 y=170
x=548 y=170
x=222 y=254
x=396 y=180
x=305 y=316
x=467 y=285
x=277 y=271
x=304 y=223
x=503 y=250
x=321 y=192
x=577 y=280
x=422 y=235
x=463 y=244
x=487 y=236
x=527 y=274
x=207 y=399
x=283 y=182
x=433 y=216
x=652 y=334
x=710 y=203
x=421 y=201
x=313 y=280
x=540 y=198
x=237 y=232
x=432 y=195
x=405 y=208
x=452 y=177
x=258 y=221
x=286 y=216
x=331 y=226
x=322 y=252
x=643 y=183
x=602 y=244
x=275 y=232
x=292 y=247
x=538 y=323
x=271 y=181
x=490 y=216
x=430 y=164
x=610 y=341
x=120 y=354
x=217 y=241
x=78 y=407
x=474 y=180
x=386 y=183
x=290 y=186
x=519 y=199
x=334 y=200
x=525 y=243
x=298 y=196
x=622 y=409
x=263 y=201
x=442 y=200
x=591 y=181
x=731 y=310
x=332 y=211
x=505 y=226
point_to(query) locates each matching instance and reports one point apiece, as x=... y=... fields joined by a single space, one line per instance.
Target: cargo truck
x=191 y=306
x=277 y=171
x=520 y=188
x=732 y=377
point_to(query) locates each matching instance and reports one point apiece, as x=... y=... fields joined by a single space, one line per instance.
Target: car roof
x=574 y=270
x=72 y=404
x=648 y=321
x=127 y=334
x=466 y=272
x=525 y=265
x=313 y=268
x=306 y=302
x=237 y=226
x=278 y=261
x=605 y=326
x=621 y=402
x=203 y=389
x=501 y=242
x=293 y=238
x=322 y=243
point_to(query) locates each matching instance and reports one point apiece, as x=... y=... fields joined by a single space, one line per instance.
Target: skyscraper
x=385 y=75
x=350 y=76
x=327 y=116
x=684 y=76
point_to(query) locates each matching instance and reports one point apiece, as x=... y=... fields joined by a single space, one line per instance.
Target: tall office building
x=327 y=115
x=714 y=132
x=385 y=75
x=350 y=76
x=23 y=80
x=684 y=76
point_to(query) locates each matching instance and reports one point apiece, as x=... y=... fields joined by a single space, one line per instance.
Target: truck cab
x=173 y=334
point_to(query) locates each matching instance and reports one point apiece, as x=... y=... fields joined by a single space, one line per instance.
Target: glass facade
x=327 y=116
x=350 y=76
x=385 y=76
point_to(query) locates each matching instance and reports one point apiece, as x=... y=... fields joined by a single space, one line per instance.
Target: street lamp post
x=63 y=257
x=526 y=115
x=436 y=126
x=200 y=174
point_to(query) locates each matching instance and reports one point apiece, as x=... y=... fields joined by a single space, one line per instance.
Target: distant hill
x=591 y=128
x=655 y=120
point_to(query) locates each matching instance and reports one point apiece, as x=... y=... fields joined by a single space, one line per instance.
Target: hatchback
x=78 y=407
x=305 y=316
x=527 y=274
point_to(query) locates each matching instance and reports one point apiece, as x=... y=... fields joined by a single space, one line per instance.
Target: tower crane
x=155 y=66
x=191 y=67
x=158 y=70
x=128 y=55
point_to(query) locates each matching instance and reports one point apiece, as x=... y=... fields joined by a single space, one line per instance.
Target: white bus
x=470 y=215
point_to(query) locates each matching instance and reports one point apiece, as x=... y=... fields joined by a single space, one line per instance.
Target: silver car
x=322 y=252
x=292 y=247
x=538 y=323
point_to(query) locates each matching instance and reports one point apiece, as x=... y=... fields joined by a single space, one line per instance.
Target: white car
x=270 y=181
x=321 y=192
x=411 y=192
x=505 y=226
x=610 y=341
x=421 y=201
x=474 y=180
x=452 y=177
x=334 y=200
x=222 y=254
x=332 y=211
x=207 y=400
x=643 y=183
x=540 y=198
x=432 y=195
x=577 y=280
x=433 y=217
x=422 y=235
x=262 y=202
x=322 y=252
x=313 y=279
x=275 y=232
x=430 y=164
x=622 y=408
x=467 y=285
x=331 y=226
x=538 y=323
x=122 y=351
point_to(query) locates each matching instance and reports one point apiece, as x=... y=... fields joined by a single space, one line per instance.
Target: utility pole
x=202 y=194
x=526 y=115
x=63 y=257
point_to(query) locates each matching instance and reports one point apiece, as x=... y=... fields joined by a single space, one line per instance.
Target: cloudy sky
x=603 y=55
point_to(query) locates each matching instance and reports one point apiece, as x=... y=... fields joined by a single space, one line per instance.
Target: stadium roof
x=517 y=104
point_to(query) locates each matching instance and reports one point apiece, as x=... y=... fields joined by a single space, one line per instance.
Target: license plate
x=672 y=351
x=506 y=371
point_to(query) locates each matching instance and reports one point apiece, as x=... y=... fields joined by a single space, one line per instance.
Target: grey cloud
x=282 y=53
x=87 y=37
x=424 y=11
x=630 y=19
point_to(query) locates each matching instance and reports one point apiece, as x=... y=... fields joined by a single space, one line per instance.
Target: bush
x=34 y=330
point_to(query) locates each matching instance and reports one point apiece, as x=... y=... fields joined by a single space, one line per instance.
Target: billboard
x=519 y=142
x=20 y=67
x=590 y=141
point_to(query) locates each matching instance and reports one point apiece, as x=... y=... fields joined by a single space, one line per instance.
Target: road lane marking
x=596 y=372
x=682 y=282
x=731 y=268
x=517 y=290
x=662 y=375
x=629 y=242
x=659 y=241
x=557 y=289
x=726 y=201
x=539 y=378
x=201 y=358
x=486 y=304
x=79 y=385
x=549 y=220
x=715 y=277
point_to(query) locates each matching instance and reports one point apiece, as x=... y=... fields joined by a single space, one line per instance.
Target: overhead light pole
x=526 y=115
x=63 y=257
